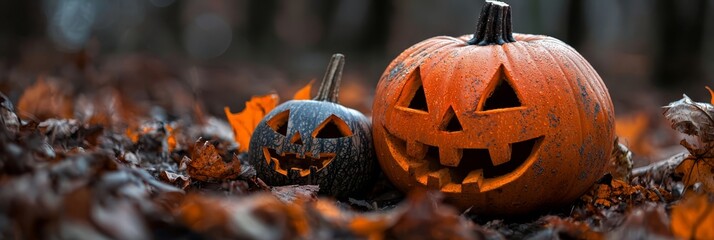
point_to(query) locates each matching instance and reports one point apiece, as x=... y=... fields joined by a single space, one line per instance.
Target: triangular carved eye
x=332 y=127
x=279 y=123
x=501 y=95
x=450 y=123
x=413 y=95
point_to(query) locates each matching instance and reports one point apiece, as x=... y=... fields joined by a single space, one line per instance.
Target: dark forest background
x=648 y=52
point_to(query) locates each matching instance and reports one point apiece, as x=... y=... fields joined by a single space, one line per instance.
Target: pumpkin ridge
x=576 y=100
x=600 y=86
x=572 y=57
x=450 y=79
x=421 y=48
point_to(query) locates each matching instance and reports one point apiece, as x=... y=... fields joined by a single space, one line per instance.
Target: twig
x=661 y=166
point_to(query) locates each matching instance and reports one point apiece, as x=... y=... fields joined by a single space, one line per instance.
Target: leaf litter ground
x=103 y=166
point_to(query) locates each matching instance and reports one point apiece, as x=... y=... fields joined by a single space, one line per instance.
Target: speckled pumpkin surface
x=498 y=123
x=315 y=142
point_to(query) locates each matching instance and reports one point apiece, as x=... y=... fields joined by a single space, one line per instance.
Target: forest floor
x=96 y=161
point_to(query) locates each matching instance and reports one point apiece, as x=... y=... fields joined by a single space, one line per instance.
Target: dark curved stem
x=330 y=86
x=494 y=25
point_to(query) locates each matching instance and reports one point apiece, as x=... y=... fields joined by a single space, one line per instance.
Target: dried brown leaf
x=692 y=118
x=154 y=135
x=258 y=216
x=648 y=222
x=207 y=164
x=695 y=170
x=292 y=192
x=613 y=192
x=695 y=118
x=8 y=117
x=109 y=108
x=620 y=161
x=423 y=218
x=44 y=100
x=178 y=180
x=59 y=128
x=565 y=228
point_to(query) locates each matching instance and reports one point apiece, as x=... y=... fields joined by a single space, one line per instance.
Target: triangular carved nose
x=296 y=139
x=450 y=122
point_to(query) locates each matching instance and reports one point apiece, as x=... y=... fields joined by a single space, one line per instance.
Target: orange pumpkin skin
x=501 y=155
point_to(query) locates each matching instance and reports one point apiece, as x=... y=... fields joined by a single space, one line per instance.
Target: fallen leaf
x=171 y=138
x=107 y=107
x=631 y=130
x=59 y=128
x=154 y=135
x=620 y=161
x=692 y=118
x=693 y=217
x=244 y=122
x=133 y=136
x=424 y=218
x=304 y=92
x=694 y=170
x=697 y=119
x=292 y=192
x=179 y=180
x=43 y=100
x=559 y=228
x=612 y=192
x=207 y=164
x=7 y=115
x=258 y=216
x=648 y=222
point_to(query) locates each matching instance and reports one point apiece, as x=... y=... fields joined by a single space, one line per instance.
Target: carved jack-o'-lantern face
x=296 y=157
x=315 y=142
x=481 y=143
x=498 y=122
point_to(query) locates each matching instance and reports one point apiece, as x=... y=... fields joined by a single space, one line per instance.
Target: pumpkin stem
x=330 y=86
x=494 y=25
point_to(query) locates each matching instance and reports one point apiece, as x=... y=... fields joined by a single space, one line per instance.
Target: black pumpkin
x=316 y=142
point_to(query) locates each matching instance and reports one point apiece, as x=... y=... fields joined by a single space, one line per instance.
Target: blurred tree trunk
x=19 y=22
x=261 y=21
x=576 y=27
x=678 y=61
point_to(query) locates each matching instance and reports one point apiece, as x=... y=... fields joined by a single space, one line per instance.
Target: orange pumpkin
x=501 y=122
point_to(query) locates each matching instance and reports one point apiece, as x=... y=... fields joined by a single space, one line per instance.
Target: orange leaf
x=134 y=136
x=304 y=92
x=45 y=99
x=244 y=122
x=711 y=92
x=171 y=139
x=693 y=217
x=631 y=129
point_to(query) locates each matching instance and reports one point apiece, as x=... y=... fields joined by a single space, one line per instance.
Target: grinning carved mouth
x=475 y=171
x=293 y=162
